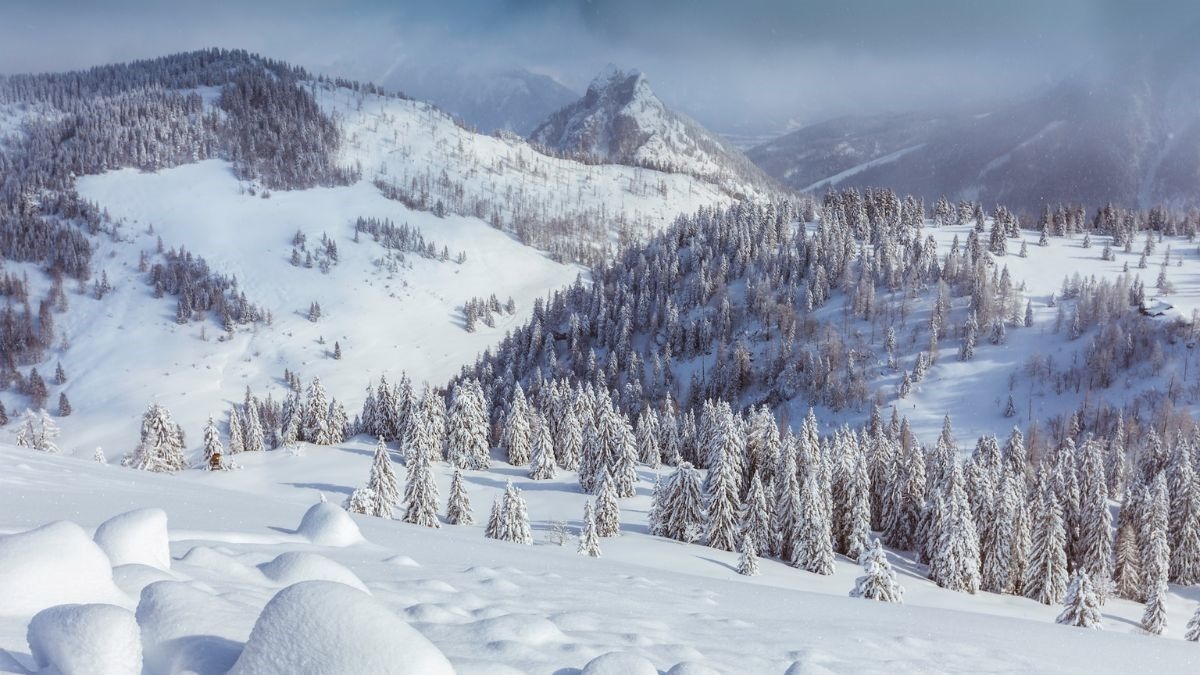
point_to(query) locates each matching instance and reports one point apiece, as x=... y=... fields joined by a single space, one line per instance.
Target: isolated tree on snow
x=1081 y=607
x=458 y=507
x=37 y=431
x=589 y=540
x=213 y=450
x=879 y=579
x=514 y=517
x=748 y=560
x=492 y=529
x=161 y=445
x=64 y=406
x=608 y=511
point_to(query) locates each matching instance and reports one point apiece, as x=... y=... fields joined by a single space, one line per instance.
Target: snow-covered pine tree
x=748 y=560
x=458 y=507
x=1156 y=554
x=569 y=444
x=420 y=491
x=1154 y=619
x=37 y=431
x=878 y=581
x=813 y=550
x=433 y=417
x=541 y=464
x=721 y=494
x=213 y=450
x=514 y=517
x=1193 y=627
x=253 y=438
x=785 y=518
x=237 y=439
x=161 y=445
x=1046 y=576
x=516 y=437
x=492 y=529
x=647 y=439
x=1127 y=574
x=1185 y=524
x=467 y=446
x=314 y=424
x=1081 y=607
x=681 y=508
x=382 y=492
x=955 y=560
x=755 y=519
x=608 y=511
x=589 y=541
x=855 y=521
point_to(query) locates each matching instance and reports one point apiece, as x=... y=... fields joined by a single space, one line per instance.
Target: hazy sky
x=752 y=62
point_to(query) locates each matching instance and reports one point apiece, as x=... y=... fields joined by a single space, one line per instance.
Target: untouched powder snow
x=295 y=566
x=86 y=640
x=493 y=607
x=327 y=627
x=138 y=537
x=53 y=564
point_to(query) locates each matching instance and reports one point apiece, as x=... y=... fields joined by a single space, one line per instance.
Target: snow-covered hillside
x=387 y=315
x=235 y=540
x=420 y=152
x=621 y=120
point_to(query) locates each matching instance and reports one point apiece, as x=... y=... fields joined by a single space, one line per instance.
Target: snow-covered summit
x=621 y=120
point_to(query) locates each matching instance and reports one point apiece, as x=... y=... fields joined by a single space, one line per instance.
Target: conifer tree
x=1154 y=619
x=458 y=508
x=1127 y=568
x=954 y=563
x=517 y=434
x=814 y=543
x=1046 y=576
x=785 y=519
x=721 y=501
x=161 y=445
x=1193 y=627
x=1185 y=526
x=253 y=438
x=314 y=425
x=382 y=491
x=748 y=560
x=467 y=447
x=237 y=441
x=648 y=447
x=541 y=465
x=1155 y=565
x=608 y=511
x=64 y=405
x=492 y=529
x=1081 y=608
x=681 y=505
x=514 y=517
x=879 y=579
x=755 y=518
x=420 y=491
x=569 y=446
x=212 y=445
x=589 y=540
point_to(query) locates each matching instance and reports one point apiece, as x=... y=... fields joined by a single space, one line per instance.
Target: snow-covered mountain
x=621 y=120
x=1132 y=138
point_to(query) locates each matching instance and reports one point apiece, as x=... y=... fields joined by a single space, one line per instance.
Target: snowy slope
x=489 y=605
x=502 y=178
x=127 y=350
x=621 y=120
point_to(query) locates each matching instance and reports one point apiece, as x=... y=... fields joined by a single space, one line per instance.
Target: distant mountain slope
x=512 y=99
x=1133 y=139
x=621 y=120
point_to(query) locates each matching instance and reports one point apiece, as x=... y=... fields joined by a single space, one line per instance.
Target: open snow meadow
x=300 y=375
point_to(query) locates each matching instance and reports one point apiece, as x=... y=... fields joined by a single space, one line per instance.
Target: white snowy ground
x=127 y=351
x=491 y=606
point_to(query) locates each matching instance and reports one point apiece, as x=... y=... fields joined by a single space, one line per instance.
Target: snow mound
x=329 y=525
x=619 y=663
x=185 y=629
x=215 y=561
x=402 y=561
x=52 y=565
x=296 y=566
x=327 y=627
x=136 y=537
x=86 y=639
x=524 y=628
x=691 y=668
x=133 y=578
